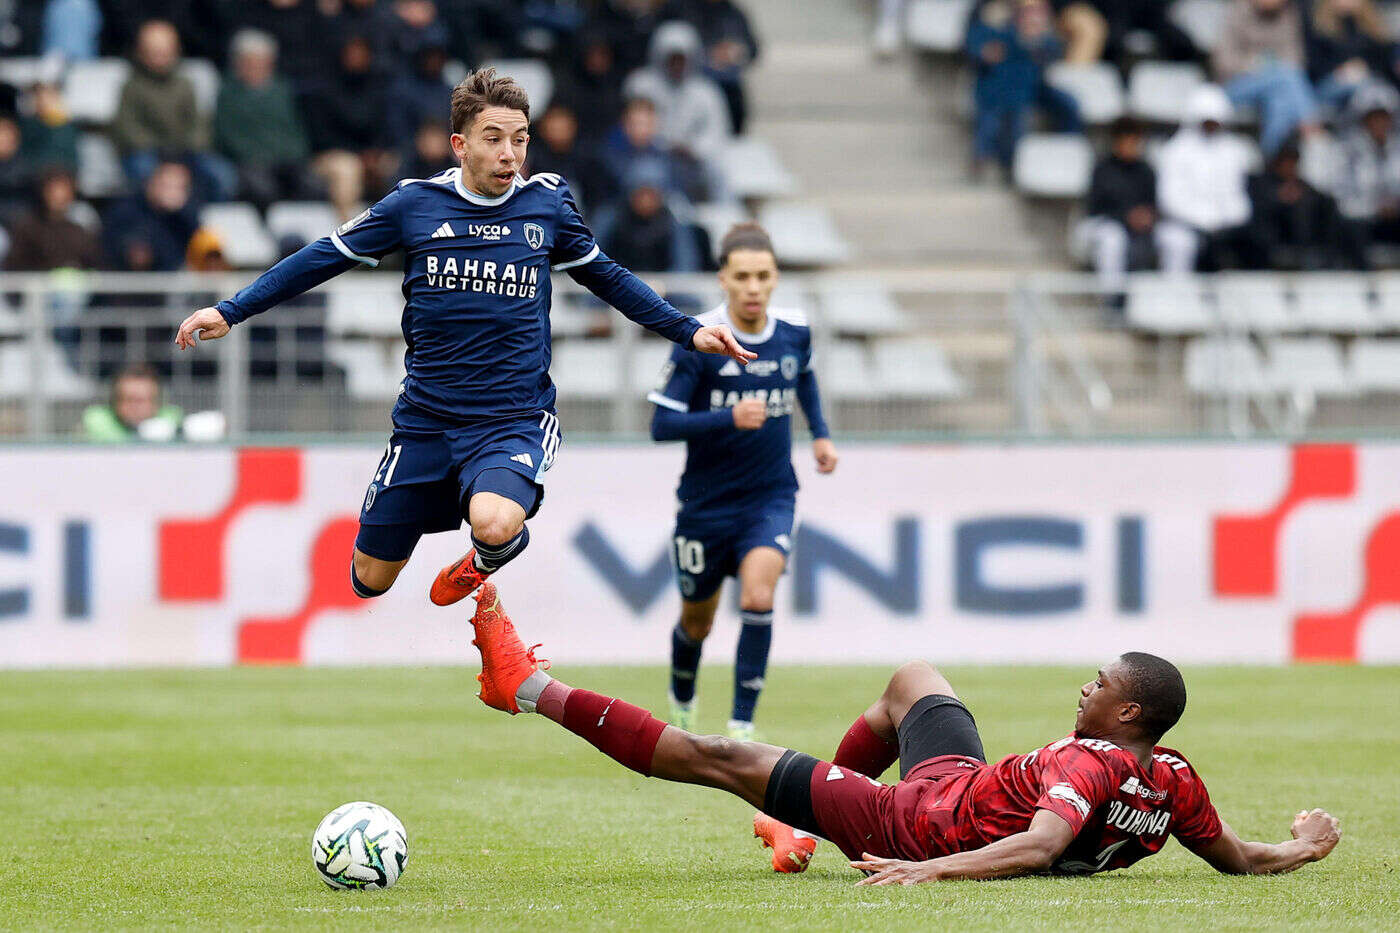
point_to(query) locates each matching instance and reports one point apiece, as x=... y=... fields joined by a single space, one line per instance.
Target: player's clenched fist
x=717 y=338
x=208 y=323
x=750 y=414
x=825 y=452
x=1319 y=828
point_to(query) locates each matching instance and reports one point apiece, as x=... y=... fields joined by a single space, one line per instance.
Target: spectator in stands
x=47 y=237
x=72 y=29
x=630 y=25
x=555 y=147
x=50 y=138
x=693 y=120
x=635 y=139
x=1125 y=17
x=1124 y=230
x=1368 y=178
x=205 y=252
x=592 y=84
x=158 y=117
x=1295 y=226
x=432 y=151
x=643 y=234
x=730 y=48
x=16 y=170
x=1009 y=45
x=419 y=94
x=1261 y=64
x=1348 y=45
x=135 y=411
x=345 y=115
x=150 y=232
x=257 y=124
x=291 y=23
x=415 y=26
x=1084 y=29
x=1202 y=176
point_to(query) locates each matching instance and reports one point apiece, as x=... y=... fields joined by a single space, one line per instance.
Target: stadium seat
x=1169 y=304
x=1375 y=365
x=648 y=356
x=1159 y=91
x=1054 y=165
x=1308 y=364
x=752 y=170
x=804 y=235
x=1256 y=302
x=204 y=75
x=915 y=368
x=100 y=172
x=1202 y=20
x=844 y=370
x=716 y=219
x=533 y=75
x=92 y=89
x=937 y=25
x=1225 y=366
x=246 y=242
x=24 y=71
x=587 y=369
x=372 y=367
x=1388 y=301
x=60 y=382
x=1097 y=87
x=1338 y=303
x=859 y=309
x=372 y=306
x=306 y=220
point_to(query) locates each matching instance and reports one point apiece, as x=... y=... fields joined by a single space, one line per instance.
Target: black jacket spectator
x=46 y=238
x=555 y=147
x=419 y=95
x=1335 y=39
x=1118 y=186
x=308 y=40
x=203 y=25
x=149 y=232
x=348 y=110
x=592 y=84
x=1293 y=225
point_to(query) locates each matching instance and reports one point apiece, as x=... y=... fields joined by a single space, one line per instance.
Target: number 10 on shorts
x=690 y=555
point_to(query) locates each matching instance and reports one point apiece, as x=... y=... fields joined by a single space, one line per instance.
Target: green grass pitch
x=187 y=799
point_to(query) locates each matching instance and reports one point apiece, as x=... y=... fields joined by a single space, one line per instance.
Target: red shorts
x=861 y=815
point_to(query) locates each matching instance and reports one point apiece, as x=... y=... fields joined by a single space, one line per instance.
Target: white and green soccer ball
x=359 y=845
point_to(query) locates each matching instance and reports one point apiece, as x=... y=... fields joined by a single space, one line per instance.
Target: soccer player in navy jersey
x=1103 y=797
x=738 y=492
x=474 y=427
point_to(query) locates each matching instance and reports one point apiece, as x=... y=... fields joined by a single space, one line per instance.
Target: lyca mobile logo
x=488 y=231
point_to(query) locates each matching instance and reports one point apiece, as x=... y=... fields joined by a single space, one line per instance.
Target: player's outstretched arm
x=1027 y=853
x=1315 y=834
x=718 y=338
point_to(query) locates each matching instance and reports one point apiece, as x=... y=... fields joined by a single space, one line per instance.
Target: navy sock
x=685 y=662
x=492 y=557
x=361 y=590
x=751 y=662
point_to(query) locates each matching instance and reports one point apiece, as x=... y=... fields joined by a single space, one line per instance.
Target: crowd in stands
x=1318 y=187
x=336 y=100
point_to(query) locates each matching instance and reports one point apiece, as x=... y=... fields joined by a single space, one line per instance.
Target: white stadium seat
x=307 y=220
x=100 y=172
x=1257 y=302
x=1225 y=366
x=24 y=71
x=1168 y=304
x=1202 y=20
x=371 y=306
x=859 y=308
x=60 y=382
x=752 y=169
x=1159 y=90
x=937 y=25
x=1339 y=303
x=245 y=240
x=804 y=235
x=531 y=74
x=915 y=368
x=587 y=369
x=92 y=89
x=716 y=219
x=373 y=368
x=203 y=74
x=1388 y=301
x=1375 y=365
x=843 y=366
x=1308 y=364
x=648 y=356
x=1097 y=87
x=1054 y=165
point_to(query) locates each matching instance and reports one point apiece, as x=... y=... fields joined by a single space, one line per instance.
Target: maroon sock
x=865 y=752
x=625 y=733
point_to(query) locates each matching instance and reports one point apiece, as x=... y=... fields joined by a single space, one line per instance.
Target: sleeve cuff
x=587 y=257
x=227 y=313
x=346 y=252
x=656 y=398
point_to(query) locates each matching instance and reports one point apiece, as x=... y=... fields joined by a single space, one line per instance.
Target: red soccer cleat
x=791 y=852
x=457 y=581
x=505 y=661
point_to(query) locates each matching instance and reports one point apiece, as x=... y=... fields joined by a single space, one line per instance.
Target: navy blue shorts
x=423 y=481
x=704 y=551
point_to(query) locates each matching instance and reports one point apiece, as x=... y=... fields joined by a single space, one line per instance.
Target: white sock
x=528 y=693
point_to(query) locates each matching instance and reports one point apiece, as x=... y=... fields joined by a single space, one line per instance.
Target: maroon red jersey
x=1120 y=812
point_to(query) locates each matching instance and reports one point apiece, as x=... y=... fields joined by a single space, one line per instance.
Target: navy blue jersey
x=476 y=289
x=727 y=469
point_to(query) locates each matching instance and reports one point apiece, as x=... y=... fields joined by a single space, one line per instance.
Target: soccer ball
x=359 y=845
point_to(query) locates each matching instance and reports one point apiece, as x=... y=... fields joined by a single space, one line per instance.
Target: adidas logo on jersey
x=730 y=368
x=444 y=230
x=525 y=459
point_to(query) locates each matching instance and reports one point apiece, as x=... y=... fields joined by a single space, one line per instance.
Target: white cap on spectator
x=1208 y=103
x=252 y=40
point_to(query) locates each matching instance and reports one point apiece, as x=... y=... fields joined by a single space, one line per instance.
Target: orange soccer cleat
x=505 y=661
x=457 y=581
x=791 y=852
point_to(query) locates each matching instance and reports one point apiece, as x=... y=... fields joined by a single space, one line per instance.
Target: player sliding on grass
x=738 y=493
x=474 y=426
x=1101 y=798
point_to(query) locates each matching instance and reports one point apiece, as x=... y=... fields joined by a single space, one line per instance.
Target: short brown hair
x=748 y=235
x=482 y=89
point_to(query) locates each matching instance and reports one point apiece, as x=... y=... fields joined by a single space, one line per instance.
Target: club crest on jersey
x=534 y=235
x=370 y=495
x=789 y=366
x=488 y=231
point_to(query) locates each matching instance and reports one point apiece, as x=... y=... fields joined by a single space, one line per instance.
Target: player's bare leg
x=496 y=522
x=513 y=681
x=371 y=576
x=697 y=619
